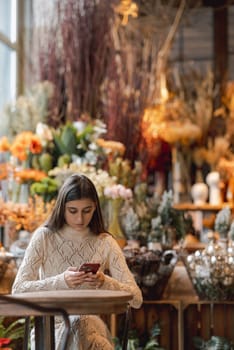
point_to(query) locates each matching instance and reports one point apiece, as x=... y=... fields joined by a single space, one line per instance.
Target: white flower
x=79 y=125
x=44 y=132
x=93 y=146
x=91 y=157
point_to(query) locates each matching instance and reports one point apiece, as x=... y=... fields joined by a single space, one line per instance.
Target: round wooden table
x=73 y=302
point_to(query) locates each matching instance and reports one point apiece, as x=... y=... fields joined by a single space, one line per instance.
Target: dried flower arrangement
x=29 y=109
x=25 y=216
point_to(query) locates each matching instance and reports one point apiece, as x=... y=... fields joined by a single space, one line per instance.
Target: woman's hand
x=73 y=277
x=95 y=280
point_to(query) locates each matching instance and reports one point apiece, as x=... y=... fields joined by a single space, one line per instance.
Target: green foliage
x=45 y=161
x=13 y=331
x=63 y=160
x=223 y=221
x=214 y=343
x=231 y=231
x=168 y=221
x=153 y=343
x=70 y=142
x=134 y=342
x=65 y=140
x=46 y=188
x=84 y=138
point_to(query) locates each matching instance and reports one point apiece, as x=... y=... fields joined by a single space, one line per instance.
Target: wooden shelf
x=202 y=207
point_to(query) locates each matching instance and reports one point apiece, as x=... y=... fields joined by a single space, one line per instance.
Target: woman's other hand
x=73 y=277
x=95 y=280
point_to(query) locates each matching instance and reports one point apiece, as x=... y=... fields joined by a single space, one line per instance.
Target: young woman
x=74 y=234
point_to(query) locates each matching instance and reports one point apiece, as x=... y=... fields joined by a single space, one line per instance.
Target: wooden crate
x=205 y=319
x=165 y=313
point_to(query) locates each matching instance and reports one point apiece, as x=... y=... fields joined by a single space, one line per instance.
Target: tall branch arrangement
x=72 y=48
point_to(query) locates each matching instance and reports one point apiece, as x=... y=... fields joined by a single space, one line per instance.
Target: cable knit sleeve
x=121 y=277
x=28 y=275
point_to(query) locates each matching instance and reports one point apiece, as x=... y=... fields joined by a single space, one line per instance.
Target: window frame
x=17 y=45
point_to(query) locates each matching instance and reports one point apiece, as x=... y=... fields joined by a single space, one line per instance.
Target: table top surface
x=90 y=301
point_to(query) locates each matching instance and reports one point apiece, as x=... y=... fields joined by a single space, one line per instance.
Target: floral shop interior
x=138 y=95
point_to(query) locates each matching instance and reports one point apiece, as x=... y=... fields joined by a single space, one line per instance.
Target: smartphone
x=89 y=267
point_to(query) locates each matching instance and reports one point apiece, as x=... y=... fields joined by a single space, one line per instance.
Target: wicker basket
x=151 y=269
x=5 y=258
x=3 y=268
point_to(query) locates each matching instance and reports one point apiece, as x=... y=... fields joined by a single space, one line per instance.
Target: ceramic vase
x=199 y=193
x=213 y=181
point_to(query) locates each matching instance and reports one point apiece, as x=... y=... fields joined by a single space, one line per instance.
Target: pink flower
x=118 y=191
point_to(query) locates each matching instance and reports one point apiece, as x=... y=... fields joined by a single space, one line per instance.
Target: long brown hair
x=75 y=187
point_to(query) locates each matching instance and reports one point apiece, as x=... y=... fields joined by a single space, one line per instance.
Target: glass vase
x=181 y=179
x=24 y=193
x=114 y=227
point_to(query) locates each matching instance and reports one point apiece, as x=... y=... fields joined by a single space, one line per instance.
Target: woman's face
x=78 y=213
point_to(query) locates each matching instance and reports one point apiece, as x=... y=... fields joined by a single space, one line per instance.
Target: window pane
x=8 y=18
x=7 y=75
x=194 y=39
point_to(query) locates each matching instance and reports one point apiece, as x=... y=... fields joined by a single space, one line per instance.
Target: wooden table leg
x=113 y=325
x=44 y=333
x=48 y=322
x=39 y=333
x=180 y=327
x=126 y=328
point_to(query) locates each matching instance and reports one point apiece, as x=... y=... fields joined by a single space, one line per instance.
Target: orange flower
x=27 y=175
x=26 y=142
x=113 y=146
x=3 y=171
x=4 y=144
x=35 y=145
x=19 y=151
